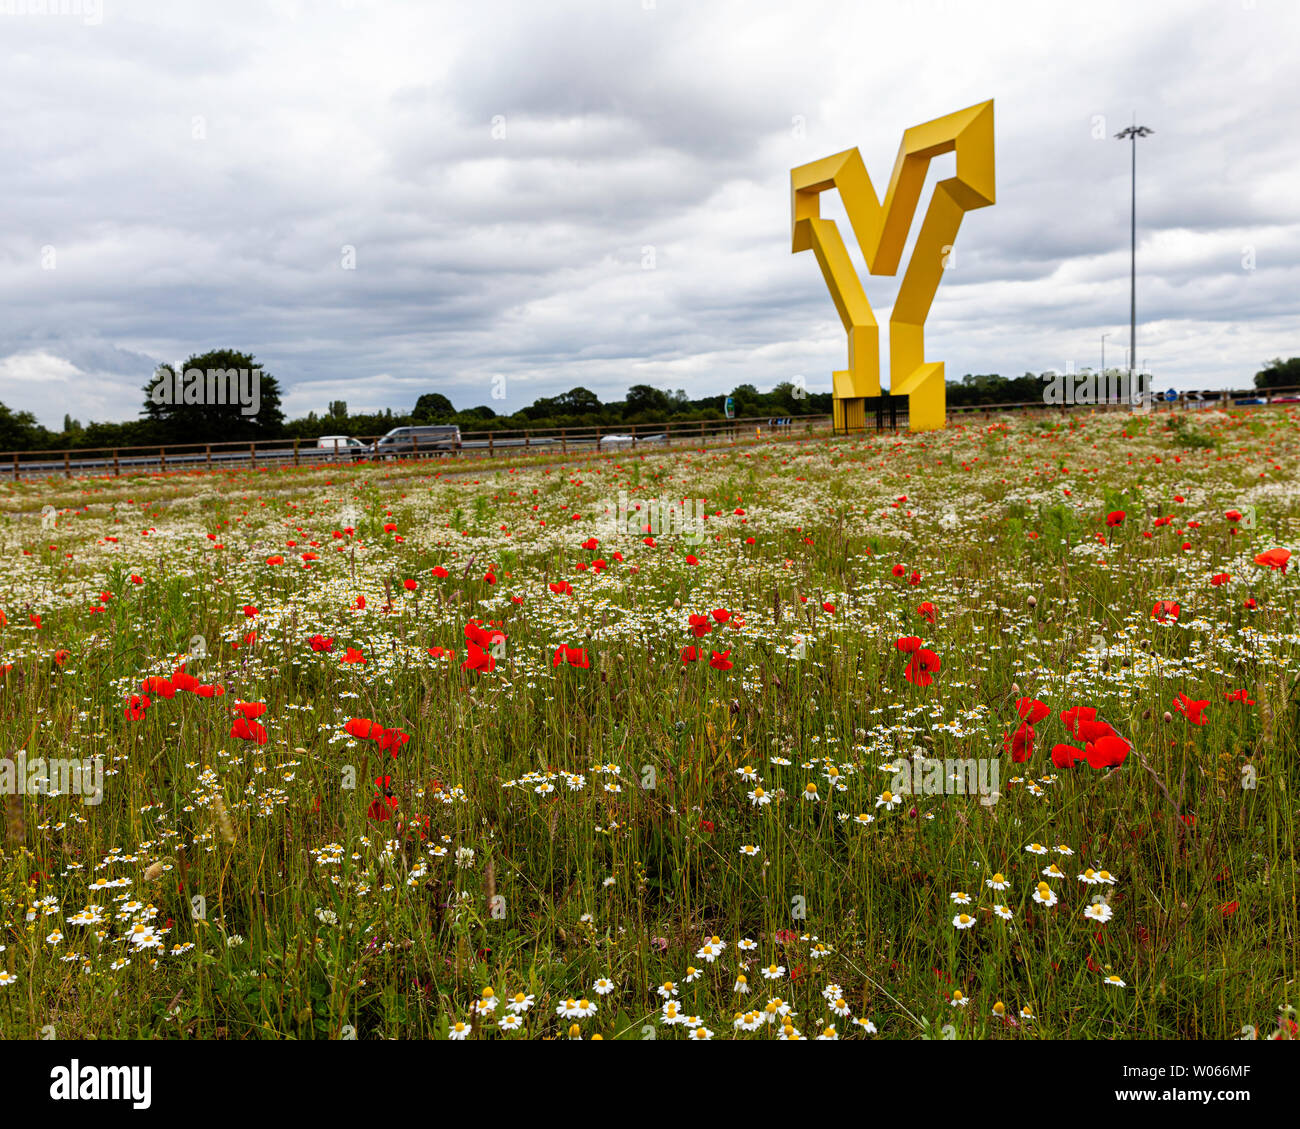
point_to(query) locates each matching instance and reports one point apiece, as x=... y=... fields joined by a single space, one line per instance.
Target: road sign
x=730 y=407
x=1171 y=395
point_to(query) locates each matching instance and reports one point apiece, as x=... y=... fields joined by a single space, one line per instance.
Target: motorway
x=101 y=464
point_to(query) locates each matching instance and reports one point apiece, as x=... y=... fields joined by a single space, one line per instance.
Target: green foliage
x=232 y=399
x=617 y=878
x=1187 y=435
x=1278 y=373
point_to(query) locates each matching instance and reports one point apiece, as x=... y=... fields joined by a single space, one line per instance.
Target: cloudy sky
x=379 y=198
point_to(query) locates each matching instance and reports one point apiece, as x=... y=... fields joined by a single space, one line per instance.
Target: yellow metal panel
x=881 y=230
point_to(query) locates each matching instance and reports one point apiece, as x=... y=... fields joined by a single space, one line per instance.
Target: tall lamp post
x=1132 y=133
x=1104 y=385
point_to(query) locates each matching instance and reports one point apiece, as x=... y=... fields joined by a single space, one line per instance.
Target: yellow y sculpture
x=881 y=230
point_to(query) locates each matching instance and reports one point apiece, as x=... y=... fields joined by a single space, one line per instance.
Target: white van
x=341 y=446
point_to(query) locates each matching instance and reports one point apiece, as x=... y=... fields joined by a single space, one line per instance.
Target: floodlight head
x=1133 y=131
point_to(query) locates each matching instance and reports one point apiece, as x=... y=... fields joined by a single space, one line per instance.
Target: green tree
x=19 y=431
x=749 y=401
x=578 y=401
x=646 y=401
x=433 y=407
x=1278 y=373
x=221 y=396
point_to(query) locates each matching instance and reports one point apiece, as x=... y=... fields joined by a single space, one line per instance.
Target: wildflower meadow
x=985 y=733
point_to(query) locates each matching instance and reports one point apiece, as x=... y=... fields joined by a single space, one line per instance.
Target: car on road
x=342 y=446
x=431 y=439
x=614 y=441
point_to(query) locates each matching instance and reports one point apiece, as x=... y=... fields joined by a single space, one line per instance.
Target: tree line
x=209 y=401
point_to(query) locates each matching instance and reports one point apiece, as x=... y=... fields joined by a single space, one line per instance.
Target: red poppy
x=354 y=656
x=1107 y=752
x=590 y=543
x=690 y=655
x=251 y=710
x=1090 y=730
x=183 y=681
x=137 y=579
x=721 y=660
x=1219 y=578
x=250 y=611
x=1239 y=696
x=1032 y=710
x=908 y=644
x=1072 y=717
x=36 y=620
x=898 y=570
x=828 y=607
x=276 y=560
x=1115 y=517
x=360 y=603
x=691 y=559
x=1020 y=744
x=561 y=588
x=926 y=611
x=489 y=578
x=574 y=656
x=159 y=686
x=410 y=585
x=924 y=665
x=215 y=691
x=321 y=643
x=479 y=658
x=136 y=705
x=700 y=625
x=248 y=731
x=360 y=727
x=1274 y=559
x=1190 y=709
x=1064 y=756
x=389 y=740
x=440 y=572
x=475 y=632
x=385 y=803
x=1165 y=610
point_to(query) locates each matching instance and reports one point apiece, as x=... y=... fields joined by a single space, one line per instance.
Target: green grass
x=626 y=876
